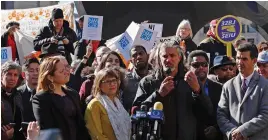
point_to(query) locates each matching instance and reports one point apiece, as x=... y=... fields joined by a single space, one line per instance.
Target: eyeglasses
x=228 y=68
x=262 y=64
x=198 y=64
x=185 y=29
x=109 y=81
x=264 y=49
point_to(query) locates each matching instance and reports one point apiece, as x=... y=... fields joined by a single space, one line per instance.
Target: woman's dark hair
x=12 y=23
x=105 y=57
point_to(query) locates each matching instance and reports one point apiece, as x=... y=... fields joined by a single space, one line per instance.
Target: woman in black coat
x=185 y=33
x=55 y=105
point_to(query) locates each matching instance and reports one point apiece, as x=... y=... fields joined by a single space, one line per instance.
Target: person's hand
x=53 y=40
x=191 y=79
x=65 y=41
x=8 y=130
x=211 y=133
x=166 y=86
x=89 y=49
x=33 y=131
x=236 y=135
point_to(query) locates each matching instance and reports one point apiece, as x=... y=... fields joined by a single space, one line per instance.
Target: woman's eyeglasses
x=109 y=81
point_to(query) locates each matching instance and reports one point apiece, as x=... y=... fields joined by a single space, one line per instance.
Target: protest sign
x=33 y=19
x=142 y=35
x=92 y=28
x=24 y=44
x=6 y=54
x=228 y=29
x=156 y=27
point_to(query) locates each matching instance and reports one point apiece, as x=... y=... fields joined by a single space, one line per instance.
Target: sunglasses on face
x=225 y=69
x=198 y=64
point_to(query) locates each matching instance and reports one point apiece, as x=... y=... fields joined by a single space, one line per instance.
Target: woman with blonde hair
x=184 y=35
x=105 y=116
x=55 y=105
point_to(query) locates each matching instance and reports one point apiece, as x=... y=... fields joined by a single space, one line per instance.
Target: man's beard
x=142 y=66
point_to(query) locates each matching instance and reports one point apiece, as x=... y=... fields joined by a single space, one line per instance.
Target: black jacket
x=27 y=103
x=49 y=113
x=182 y=107
x=190 y=45
x=13 y=112
x=215 y=48
x=44 y=38
x=214 y=92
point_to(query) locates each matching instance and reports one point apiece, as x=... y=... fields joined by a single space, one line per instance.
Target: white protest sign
x=156 y=27
x=23 y=40
x=142 y=35
x=6 y=54
x=92 y=28
x=124 y=44
x=111 y=41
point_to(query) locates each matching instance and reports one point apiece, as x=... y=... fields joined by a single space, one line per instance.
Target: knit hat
x=56 y=14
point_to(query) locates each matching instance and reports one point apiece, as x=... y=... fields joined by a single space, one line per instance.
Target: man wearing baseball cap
x=262 y=63
x=222 y=69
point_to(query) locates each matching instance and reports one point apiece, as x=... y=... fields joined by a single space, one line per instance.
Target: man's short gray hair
x=10 y=65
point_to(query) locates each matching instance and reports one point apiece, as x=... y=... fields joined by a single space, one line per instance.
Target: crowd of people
x=91 y=95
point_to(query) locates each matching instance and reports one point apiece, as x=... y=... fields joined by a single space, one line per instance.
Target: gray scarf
x=118 y=116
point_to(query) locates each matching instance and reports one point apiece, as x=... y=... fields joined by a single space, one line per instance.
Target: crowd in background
x=90 y=96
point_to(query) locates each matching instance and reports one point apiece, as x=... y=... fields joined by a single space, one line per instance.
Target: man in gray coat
x=243 y=108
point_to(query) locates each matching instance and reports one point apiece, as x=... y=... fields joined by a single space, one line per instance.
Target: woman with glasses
x=105 y=116
x=108 y=59
x=55 y=105
x=184 y=34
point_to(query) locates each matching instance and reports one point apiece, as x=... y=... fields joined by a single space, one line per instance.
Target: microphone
x=149 y=124
x=142 y=117
x=134 y=121
x=167 y=71
x=158 y=117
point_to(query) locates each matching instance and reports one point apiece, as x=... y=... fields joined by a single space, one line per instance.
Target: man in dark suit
x=31 y=70
x=198 y=62
x=243 y=106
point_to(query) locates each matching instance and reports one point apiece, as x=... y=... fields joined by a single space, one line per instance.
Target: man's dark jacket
x=181 y=107
x=27 y=103
x=214 y=93
x=44 y=38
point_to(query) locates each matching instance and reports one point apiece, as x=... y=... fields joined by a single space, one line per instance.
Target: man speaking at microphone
x=180 y=93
